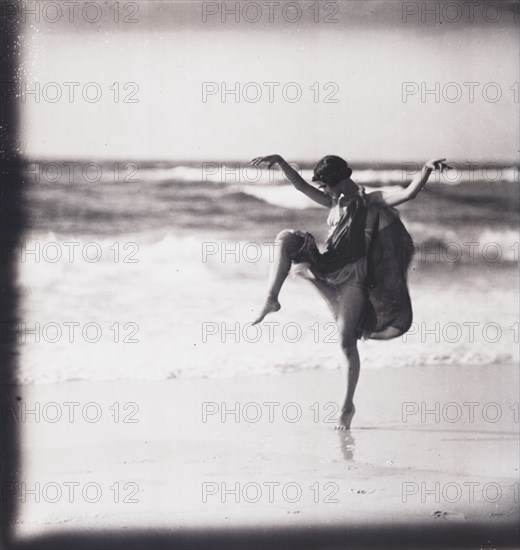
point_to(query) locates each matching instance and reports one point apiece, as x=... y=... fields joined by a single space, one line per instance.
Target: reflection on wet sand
x=347 y=443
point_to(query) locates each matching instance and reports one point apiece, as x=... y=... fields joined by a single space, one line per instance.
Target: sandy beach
x=173 y=455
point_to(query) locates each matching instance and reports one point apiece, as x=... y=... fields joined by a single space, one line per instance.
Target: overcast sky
x=361 y=63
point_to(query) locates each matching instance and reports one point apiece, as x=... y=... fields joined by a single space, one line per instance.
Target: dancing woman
x=361 y=274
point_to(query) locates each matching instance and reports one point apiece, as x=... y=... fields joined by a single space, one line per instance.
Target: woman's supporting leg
x=350 y=311
x=289 y=244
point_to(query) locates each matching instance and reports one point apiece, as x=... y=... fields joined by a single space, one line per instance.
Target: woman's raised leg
x=289 y=244
x=350 y=311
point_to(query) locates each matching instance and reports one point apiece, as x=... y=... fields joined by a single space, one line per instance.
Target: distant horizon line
x=382 y=164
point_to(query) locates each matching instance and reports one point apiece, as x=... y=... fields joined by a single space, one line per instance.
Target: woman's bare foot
x=271 y=305
x=346 y=419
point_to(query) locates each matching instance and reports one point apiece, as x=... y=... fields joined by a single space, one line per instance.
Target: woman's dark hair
x=331 y=170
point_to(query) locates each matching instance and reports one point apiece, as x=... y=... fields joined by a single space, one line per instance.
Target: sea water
x=160 y=278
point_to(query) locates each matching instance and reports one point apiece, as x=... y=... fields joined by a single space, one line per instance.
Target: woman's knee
x=286 y=235
x=349 y=346
x=290 y=243
x=352 y=304
x=348 y=341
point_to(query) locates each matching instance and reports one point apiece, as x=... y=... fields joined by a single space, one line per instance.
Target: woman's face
x=333 y=191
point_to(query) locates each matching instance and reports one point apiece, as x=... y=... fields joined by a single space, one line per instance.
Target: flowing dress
x=367 y=247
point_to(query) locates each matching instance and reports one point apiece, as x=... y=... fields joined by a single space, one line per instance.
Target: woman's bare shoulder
x=375 y=198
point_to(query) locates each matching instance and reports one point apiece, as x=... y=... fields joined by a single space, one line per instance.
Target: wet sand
x=263 y=451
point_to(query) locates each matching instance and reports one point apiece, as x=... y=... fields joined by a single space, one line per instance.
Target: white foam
x=175 y=296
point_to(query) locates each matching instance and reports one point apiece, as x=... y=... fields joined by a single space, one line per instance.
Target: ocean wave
x=282 y=195
x=135 y=365
x=49 y=260
x=238 y=173
x=187 y=295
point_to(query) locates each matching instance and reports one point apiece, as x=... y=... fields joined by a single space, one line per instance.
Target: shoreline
x=246 y=376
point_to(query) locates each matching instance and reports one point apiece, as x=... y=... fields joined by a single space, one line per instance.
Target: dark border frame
x=12 y=222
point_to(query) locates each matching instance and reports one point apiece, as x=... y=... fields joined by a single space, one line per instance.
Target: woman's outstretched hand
x=438 y=164
x=270 y=160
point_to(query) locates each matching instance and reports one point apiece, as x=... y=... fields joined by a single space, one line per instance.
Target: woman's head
x=331 y=171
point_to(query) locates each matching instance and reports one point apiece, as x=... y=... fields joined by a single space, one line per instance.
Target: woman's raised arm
x=292 y=175
x=394 y=197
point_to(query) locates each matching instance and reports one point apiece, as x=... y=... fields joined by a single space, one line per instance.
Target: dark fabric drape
x=347 y=242
x=388 y=300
